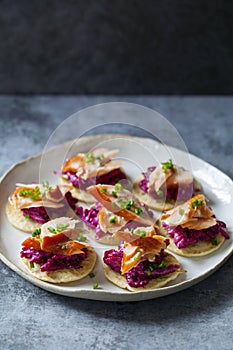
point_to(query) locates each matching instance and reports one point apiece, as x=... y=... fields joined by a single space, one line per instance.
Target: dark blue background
x=116 y=47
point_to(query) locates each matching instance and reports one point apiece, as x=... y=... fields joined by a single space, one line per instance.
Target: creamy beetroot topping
x=87 y=169
x=56 y=245
x=142 y=273
x=39 y=201
x=140 y=257
x=168 y=182
x=42 y=215
x=110 y=178
x=52 y=262
x=107 y=222
x=193 y=221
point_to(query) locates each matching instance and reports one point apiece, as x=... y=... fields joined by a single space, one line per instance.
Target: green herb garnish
x=160 y=193
x=25 y=193
x=63 y=246
x=140 y=233
x=214 y=241
x=162 y=264
x=47 y=187
x=36 y=232
x=95 y=285
x=82 y=238
x=114 y=194
x=167 y=165
x=52 y=230
x=27 y=216
x=100 y=156
x=131 y=231
x=31 y=265
x=59 y=228
x=197 y=203
x=90 y=158
x=138 y=211
x=136 y=258
x=91 y=275
x=112 y=219
x=103 y=190
x=35 y=194
x=117 y=187
x=181 y=211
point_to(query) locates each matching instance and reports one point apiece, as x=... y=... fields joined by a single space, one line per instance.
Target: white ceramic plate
x=137 y=153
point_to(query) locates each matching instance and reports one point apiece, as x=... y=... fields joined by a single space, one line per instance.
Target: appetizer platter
x=115 y=217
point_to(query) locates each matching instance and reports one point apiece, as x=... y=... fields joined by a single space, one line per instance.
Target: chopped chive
x=91 y=275
x=138 y=211
x=214 y=241
x=100 y=156
x=114 y=194
x=148 y=271
x=82 y=238
x=132 y=231
x=90 y=158
x=117 y=187
x=61 y=227
x=136 y=258
x=112 y=219
x=167 y=165
x=141 y=233
x=27 y=216
x=35 y=194
x=103 y=190
x=31 y=265
x=95 y=285
x=162 y=264
x=181 y=211
x=63 y=246
x=36 y=232
x=25 y=193
x=160 y=193
x=51 y=229
x=197 y=203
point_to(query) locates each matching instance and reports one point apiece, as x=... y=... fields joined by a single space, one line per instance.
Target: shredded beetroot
x=110 y=178
x=141 y=274
x=183 y=237
x=179 y=193
x=41 y=215
x=52 y=262
x=89 y=216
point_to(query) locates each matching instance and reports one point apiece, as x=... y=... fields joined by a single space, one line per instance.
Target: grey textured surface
x=200 y=316
x=116 y=47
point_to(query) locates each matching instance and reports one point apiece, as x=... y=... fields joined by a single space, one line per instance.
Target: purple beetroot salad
x=183 y=237
x=89 y=216
x=141 y=274
x=52 y=262
x=180 y=193
x=40 y=214
x=110 y=178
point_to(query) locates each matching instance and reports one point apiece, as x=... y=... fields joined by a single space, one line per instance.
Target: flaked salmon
x=169 y=175
x=121 y=202
x=58 y=237
x=140 y=248
x=193 y=214
x=95 y=163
